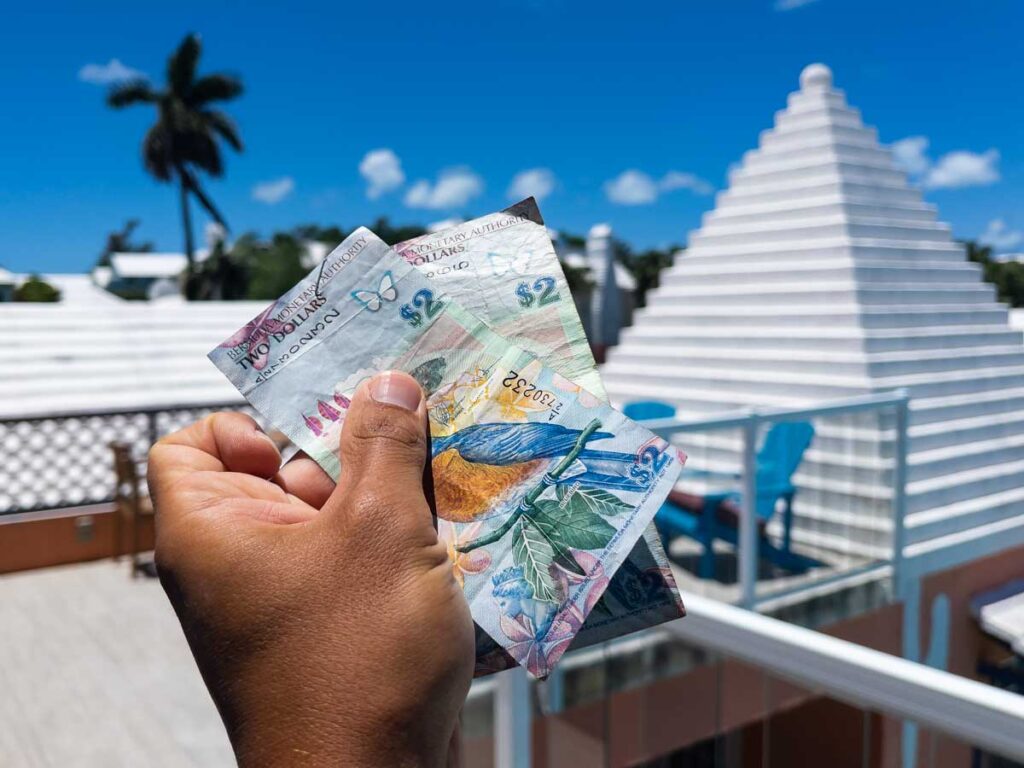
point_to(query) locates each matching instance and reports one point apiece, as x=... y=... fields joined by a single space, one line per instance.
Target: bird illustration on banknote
x=483 y=462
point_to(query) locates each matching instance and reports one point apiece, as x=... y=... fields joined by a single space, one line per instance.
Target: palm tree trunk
x=186 y=223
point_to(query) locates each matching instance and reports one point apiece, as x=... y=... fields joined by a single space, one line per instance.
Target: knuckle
x=156 y=454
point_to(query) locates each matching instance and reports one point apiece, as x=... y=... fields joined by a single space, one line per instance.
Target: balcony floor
x=95 y=673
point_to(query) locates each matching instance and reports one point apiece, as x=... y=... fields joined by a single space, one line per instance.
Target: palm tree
x=185 y=137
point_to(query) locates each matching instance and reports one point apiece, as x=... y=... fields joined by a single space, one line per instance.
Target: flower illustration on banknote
x=314 y=425
x=516 y=407
x=539 y=630
x=463 y=563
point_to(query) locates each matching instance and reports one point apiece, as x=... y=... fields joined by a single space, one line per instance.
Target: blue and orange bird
x=484 y=462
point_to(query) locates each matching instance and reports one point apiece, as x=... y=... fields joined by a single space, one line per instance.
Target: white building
x=822 y=274
x=94 y=352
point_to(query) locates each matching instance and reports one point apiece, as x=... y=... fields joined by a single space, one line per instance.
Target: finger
x=384 y=443
x=306 y=480
x=222 y=442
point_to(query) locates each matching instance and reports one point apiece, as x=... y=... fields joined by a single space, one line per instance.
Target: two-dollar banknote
x=545 y=495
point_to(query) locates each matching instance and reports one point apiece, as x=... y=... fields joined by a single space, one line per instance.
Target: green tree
x=1006 y=276
x=577 y=278
x=331 y=235
x=392 y=234
x=645 y=267
x=185 y=139
x=222 y=276
x=572 y=240
x=271 y=268
x=36 y=289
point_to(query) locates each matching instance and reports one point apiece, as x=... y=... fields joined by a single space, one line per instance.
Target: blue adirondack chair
x=779 y=457
x=641 y=410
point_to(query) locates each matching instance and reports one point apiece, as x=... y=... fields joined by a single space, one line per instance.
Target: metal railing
x=752 y=423
x=823 y=667
x=887 y=455
x=60 y=460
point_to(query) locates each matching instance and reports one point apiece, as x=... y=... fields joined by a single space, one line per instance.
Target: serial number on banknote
x=520 y=386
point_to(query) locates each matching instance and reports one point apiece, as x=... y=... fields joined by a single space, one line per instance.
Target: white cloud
x=105 y=74
x=911 y=155
x=631 y=187
x=273 y=192
x=437 y=226
x=961 y=168
x=454 y=187
x=635 y=187
x=964 y=169
x=535 y=182
x=1000 y=237
x=681 y=180
x=383 y=172
x=789 y=5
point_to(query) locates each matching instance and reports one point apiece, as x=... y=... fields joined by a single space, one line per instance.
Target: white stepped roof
x=148 y=264
x=822 y=273
x=81 y=290
x=114 y=354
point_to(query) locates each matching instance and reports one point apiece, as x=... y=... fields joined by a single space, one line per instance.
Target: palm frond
x=156 y=152
x=181 y=67
x=216 y=87
x=137 y=91
x=198 y=148
x=223 y=126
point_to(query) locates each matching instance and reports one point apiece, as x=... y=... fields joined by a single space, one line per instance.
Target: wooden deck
x=95 y=673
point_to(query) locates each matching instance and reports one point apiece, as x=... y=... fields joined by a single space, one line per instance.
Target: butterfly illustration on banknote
x=373 y=300
x=255 y=335
x=502 y=265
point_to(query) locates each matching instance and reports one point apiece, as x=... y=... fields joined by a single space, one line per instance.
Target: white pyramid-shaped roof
x=822 y=274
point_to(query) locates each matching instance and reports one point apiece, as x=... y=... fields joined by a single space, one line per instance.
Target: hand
x=325 y=621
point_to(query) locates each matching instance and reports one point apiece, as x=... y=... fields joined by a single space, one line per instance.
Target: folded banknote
x=541 y=489
x=504 y=269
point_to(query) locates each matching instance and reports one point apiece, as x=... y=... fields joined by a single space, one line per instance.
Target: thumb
x=384 y=444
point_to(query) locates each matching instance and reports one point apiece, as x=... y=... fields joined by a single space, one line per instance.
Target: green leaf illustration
x=575 y=525
x=563 y=555
x=533 y=552
x=595 y=500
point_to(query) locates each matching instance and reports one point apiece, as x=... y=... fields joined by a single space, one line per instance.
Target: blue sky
x=472 y=94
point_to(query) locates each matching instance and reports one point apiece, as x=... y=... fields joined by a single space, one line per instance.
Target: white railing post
x=899 y=491
x=512 y=729
x=748 y=554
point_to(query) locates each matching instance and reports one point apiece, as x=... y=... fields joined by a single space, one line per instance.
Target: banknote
x=541 y=488
x=504 y=268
